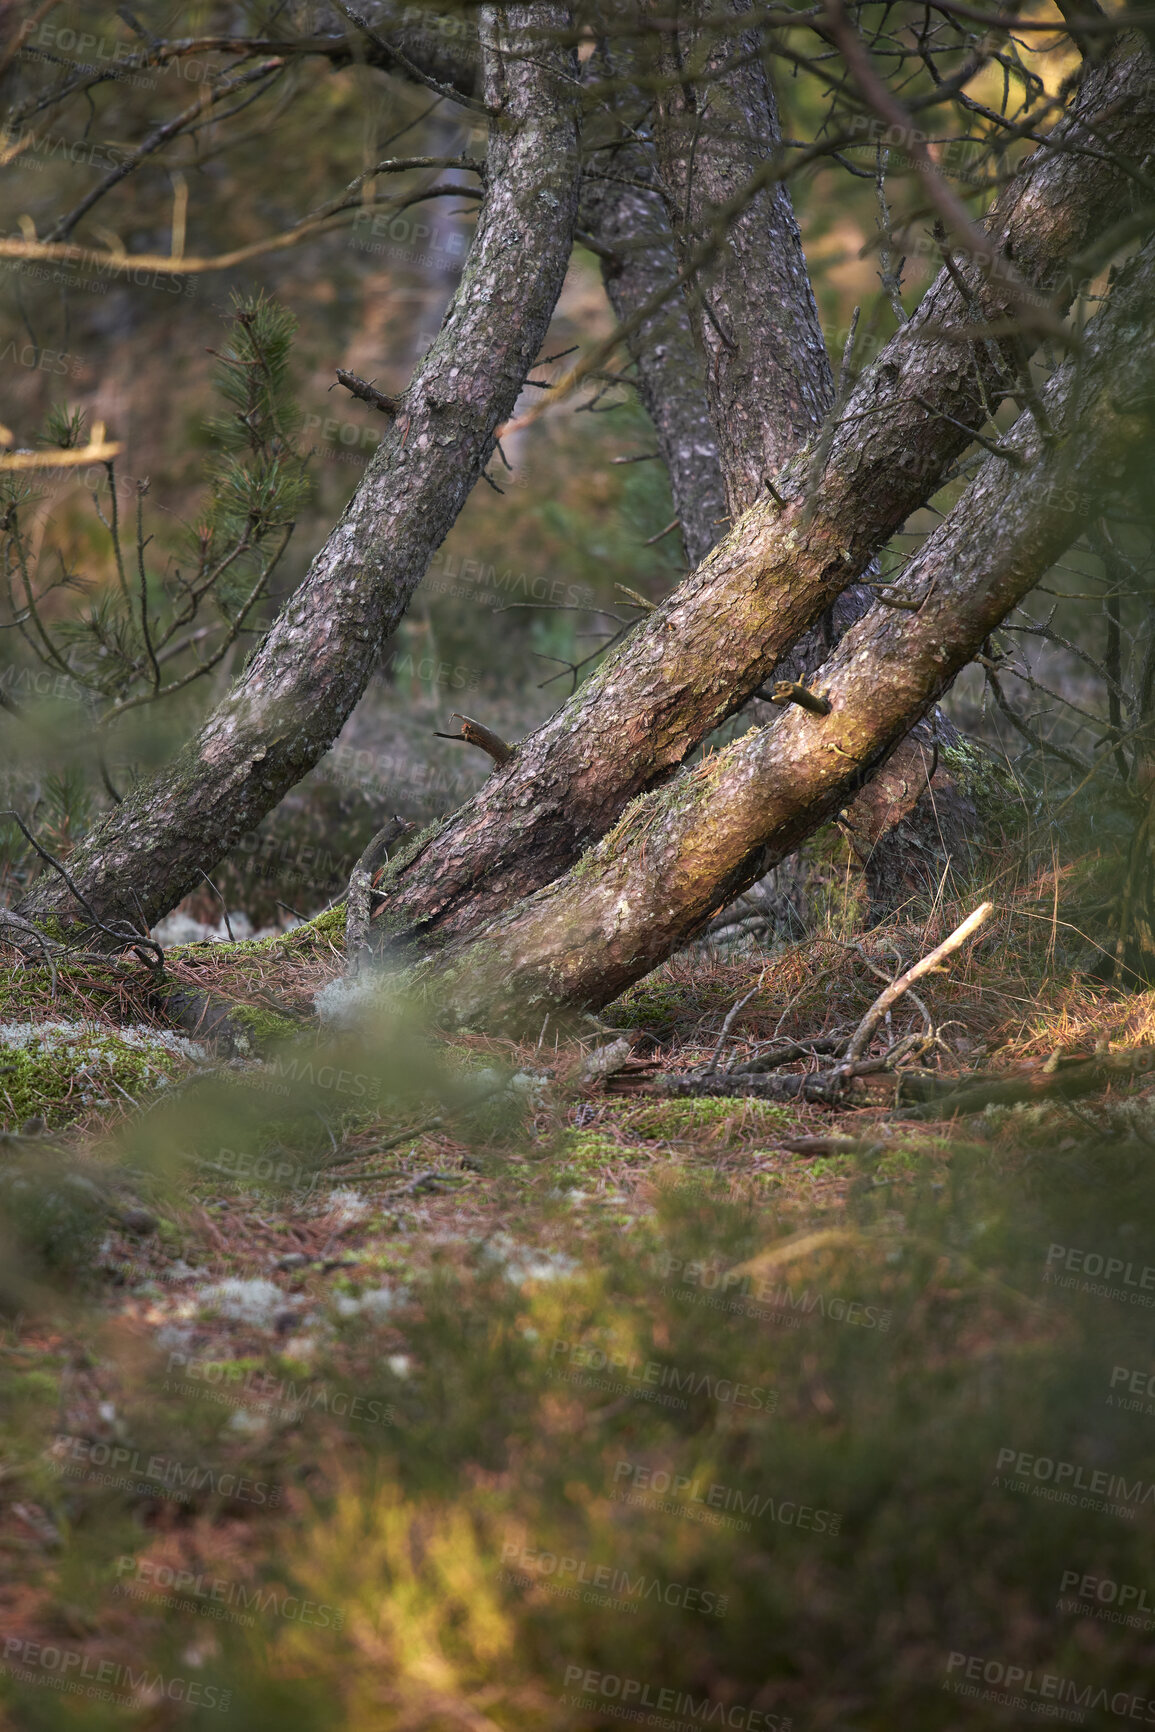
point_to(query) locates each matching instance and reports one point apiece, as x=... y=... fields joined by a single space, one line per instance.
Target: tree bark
x=769 y=381
x=754 y=317
x=622 y=211
x=701 y=655
x=912 y=822
x=622 y=208
x=679 y=853
x=313 y=664
x=633 y=724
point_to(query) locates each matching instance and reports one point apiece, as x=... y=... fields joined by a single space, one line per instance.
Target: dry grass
x=402 y=1525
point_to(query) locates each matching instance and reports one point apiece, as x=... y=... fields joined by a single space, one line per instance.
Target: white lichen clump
x=56 y=1069
x=53 y=1035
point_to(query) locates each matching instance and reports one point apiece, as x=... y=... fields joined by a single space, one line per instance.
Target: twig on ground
x=224 y=906
x=897 y=988
x=730 y=1015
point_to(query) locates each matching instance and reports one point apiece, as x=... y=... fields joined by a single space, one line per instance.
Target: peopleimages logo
x=1068 y=1265
x=1139 y=1385
x=216 y=1595
x=1022 y=1686
x=69 y=1670
x=235 y=1380
x=713 y=1496
x=1109 y=1602
x=733 y=1288
x=634 y=1694
x=574 y=1574
x=650 y=1376
x=46 y=360
x=160 y=1475
x=1060 y=1481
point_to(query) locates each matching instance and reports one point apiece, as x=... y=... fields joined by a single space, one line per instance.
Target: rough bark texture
x=676 y=854
x=623 y=212
x=313 y=664
x=913 y=821
x=768 y=378
x=622 y=208
x=701 y=655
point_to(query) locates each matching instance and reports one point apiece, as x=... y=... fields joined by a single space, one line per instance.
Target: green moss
x=654 y=1000
x=264 y=1028
x=588 y=1151
x=674 y=1119
x=325 y=926
x=403 y=856
x=27 y=992
x=644 y=811
x=900 y=1163
x=60 y=1070
x=827 y=1166
x=330 y=924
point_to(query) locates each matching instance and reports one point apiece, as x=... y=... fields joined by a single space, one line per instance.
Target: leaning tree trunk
x=702 y=654
x=693 y=662
x=770 y=386
x=681 y=852
x=312 y=666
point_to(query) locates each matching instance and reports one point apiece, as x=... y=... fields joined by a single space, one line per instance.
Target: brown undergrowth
x=421 y=1383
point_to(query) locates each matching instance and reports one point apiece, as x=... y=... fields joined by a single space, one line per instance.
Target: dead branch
x=367 y=392
x=1062 y=1078
x=126 y=939
x=726 y=1026
x=794 y=692
x=477 y=734
x=98 y=450
x=357 y=910
x=860 y=1039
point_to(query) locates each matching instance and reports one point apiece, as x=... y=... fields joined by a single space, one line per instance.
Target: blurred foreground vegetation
x=370 y=1380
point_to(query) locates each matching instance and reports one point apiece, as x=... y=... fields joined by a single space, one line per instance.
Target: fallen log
x=1063 y=1077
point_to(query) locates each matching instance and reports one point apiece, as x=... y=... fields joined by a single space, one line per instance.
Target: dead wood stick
x=1055 y=1081
x=730 y=1015
x=794 y=692
x=357 y=908
x=826 y=1087
x=860 y=1039
x=831 y=1145
x=477 y=734
x=367 y=392
x=831 y=1045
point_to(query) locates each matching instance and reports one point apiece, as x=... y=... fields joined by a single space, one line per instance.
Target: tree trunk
x=711 y=644
x=312 y=666
x=689 y=665
x=912 y=823
x=752 y=308
x=629 y=221
x=679 y=853
x=768 y=376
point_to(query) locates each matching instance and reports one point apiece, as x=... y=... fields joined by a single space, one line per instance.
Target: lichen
x=982 y=779
x=58 y=1070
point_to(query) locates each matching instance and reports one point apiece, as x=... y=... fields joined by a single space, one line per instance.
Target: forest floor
x=390 y=1379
